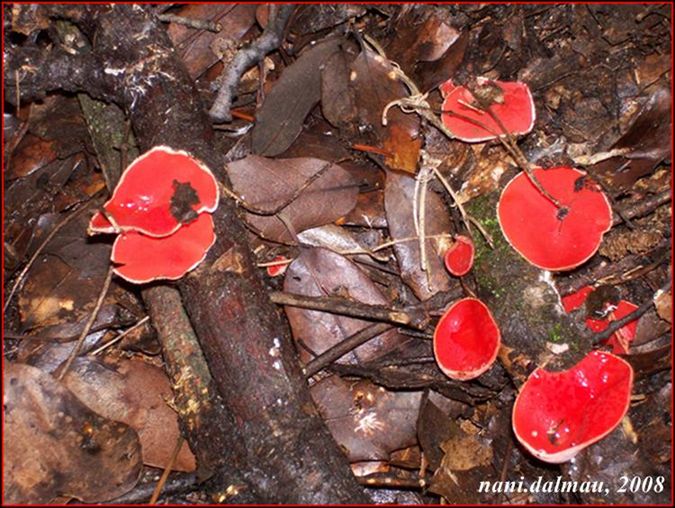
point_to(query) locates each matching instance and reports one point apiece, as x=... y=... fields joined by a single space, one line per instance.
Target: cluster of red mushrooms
x=596 y=391
x=161 y=213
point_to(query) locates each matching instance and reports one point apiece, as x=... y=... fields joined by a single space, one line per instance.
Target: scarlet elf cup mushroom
x=549 y=237
x=619 y=340
x=161 y=210
x=466 y=339
x=510 y=102
x=458 y=258
x=158 y=192
x=558 y=414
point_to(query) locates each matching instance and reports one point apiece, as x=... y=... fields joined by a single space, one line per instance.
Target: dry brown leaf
x=366 y=420
x=137 y=394
x=374 y=85
x=664 y=306
x=321 y=272
x=63 y=284
x=55 y=446
x=280 y=119
x=269 y=183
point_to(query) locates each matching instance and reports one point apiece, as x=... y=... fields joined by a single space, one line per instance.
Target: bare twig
x=414 y=317
x=119 y=337
x=379 y=480
x=342 y=348
x=197 y=24
x=271 y=38
x=642 y=208
x=87 y=327
x=167 y=470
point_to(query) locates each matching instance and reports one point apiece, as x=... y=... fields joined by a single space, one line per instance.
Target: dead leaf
x=664 y=306
x=137 y=394
x=62 y=286
x=467 y=460
x=369 y=211
x=398 y=200
x=321 y=272
x=338 y=240
x=646 y=142
x=374 y=85
x=337 y=100
x=54 y=446
x=434 y=427
x=194 y=46
x=280 y=119
x=269 y=183
x=314 y=18
x=31 y=154
x=367 y=421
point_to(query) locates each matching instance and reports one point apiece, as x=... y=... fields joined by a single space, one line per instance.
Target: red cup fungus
x=161 y=211
x=558 y=414
x=459 y=256
x=619 y=340
x=161 y=190
x=99 y=224
x=280 y=266
x=575 y=300
x=552 y=238
x=141 y=258
x=511 y=103
x=466 y=340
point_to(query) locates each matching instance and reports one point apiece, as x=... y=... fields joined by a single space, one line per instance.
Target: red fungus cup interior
x=557 y=414
x=466 y=340
x=551 y=238
x=515 y=111
x=459 y=257
x=159 y=192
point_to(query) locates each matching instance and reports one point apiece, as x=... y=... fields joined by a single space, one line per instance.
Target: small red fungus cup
x=467 y=122
x=619 y=340
x=466 y=340
x=139 y=258
x=279 y=267
x=558 y=414
x=458 y=258
x=551 y=238
x=159 y=192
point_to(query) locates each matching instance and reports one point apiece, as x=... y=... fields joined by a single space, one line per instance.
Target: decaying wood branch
x=274 y=436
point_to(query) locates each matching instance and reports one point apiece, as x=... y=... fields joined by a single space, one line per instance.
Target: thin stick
x=248 y=56
x=281 y=262
x=510 y=144
x=453 y=195
x=345 y=346
x=486 y=235
x=167 y=470
x=371 y=252
x=57 y=228
x=413 y=317
x=87 y=327
x=421 y=220
x=197 y=24
x=392 y=482
x=119 y=337
x=614 y=326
